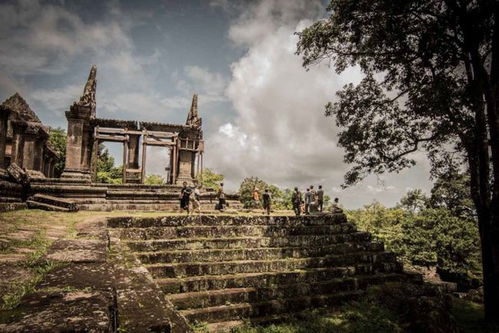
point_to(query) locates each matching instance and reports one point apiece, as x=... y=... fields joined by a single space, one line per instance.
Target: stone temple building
x=24 y=139
x=86 y=132
x=27 y=159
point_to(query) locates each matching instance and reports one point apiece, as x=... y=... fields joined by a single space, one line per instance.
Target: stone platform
x=109 y=197
x=225 y=269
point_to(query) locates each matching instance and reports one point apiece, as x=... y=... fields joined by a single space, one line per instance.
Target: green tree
x=210 y=179
x=452 y=191
x=106 y=171
x=246 y=189
x=281 y=199
x=154 y=180
x=431 y=83
x=57 y=138
x=414 y=201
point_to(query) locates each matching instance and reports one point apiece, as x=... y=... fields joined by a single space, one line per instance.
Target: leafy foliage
x=210 y=179
x=106 y=171
x=154 y=180
x=431 y=76
x=426 y=233
x=57 y=138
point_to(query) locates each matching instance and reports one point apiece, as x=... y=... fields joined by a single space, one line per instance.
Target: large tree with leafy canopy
x=431 y=84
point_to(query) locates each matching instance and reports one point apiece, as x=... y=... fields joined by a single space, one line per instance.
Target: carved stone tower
x=80 y=132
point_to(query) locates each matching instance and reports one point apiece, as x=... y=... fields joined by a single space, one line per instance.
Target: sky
x=263 y=113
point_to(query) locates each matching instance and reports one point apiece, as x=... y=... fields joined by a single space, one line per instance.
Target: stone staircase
x=225 y=268
x=51 y=203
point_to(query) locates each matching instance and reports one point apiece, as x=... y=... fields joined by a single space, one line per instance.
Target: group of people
x=191 y=196
x=312 y=201
x=266 y=199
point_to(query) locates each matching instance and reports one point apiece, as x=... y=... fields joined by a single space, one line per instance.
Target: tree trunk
x=490 y=260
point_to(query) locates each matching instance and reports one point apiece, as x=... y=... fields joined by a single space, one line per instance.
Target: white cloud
x=280 y=133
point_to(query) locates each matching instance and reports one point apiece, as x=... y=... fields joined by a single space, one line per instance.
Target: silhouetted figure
x=296 y=200
x=221 y=197
x=320 y=198
x=267 y=200
x=185 y=194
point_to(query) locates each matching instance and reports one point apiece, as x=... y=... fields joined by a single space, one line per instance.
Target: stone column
x=33 y=151
x=133 y=152
x=185 y=166
x=79 y=140
x=4 y=116
x=16 y=156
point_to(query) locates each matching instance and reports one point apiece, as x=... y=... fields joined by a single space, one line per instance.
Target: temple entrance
x=109 y=163
x=158 y=166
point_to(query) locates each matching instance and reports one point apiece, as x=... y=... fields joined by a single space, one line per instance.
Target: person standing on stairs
x=320 y=199
x=267 y=200
x=195 y=198
x=185 y=194
x=221 y=197
x=296 y=201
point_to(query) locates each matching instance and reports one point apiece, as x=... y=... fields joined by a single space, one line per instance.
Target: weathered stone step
x=251 y=280
x=270 y=265
x=262 y=309
x=40 y=205
x=233 y=231
x=212 y=220
x=262 y=253
x=55 y=201
x=244 y=242
x=210 y=298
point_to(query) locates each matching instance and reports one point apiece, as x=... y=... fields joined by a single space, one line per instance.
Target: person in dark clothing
x=320 y=198
x=221 y=197
x=297 y=200
x=185 y=194
x=267 y=199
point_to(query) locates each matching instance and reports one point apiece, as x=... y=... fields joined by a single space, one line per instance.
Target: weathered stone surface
x=61 y=311
x=226 y=268
x=78 y=250
x=18 y=174
x=17 y=104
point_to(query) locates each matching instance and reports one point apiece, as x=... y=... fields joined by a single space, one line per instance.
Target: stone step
x=210 y=298
x=252 y=280
x=233 y=231
x=40 y=205
x=263 y=309
x=244 y=242
x=262 y=253
x=55 y=201
x=211 y=220
x=270 y=265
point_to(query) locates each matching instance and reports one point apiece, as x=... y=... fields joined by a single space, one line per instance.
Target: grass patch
x=469 y=317
x=18 y=290
x=356 y=317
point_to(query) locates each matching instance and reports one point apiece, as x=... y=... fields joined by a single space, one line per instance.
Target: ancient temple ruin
x=27 y=159
x=24 y=139
x=86 y=132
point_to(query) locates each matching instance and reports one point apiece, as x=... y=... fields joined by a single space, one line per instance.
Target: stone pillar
x=16 y=156
x=4 y=116
x=185 y=166
x=33 y=151
x=79 y=142
x=133 y=152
